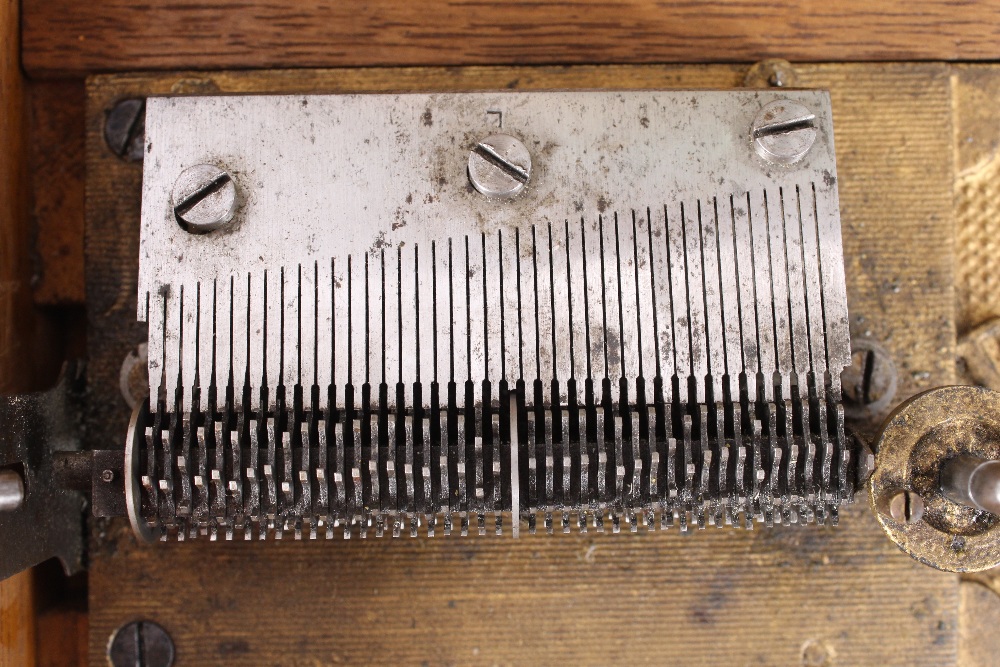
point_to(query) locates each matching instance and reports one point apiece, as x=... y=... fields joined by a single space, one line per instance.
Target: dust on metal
x=204 y=198
x=141 y=644
x=124 y=129
x=783 y=132
x=499 y=166
x=364 y=257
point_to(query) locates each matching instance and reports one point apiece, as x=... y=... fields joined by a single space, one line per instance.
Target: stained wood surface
x=17 y=620
x=71 y=37
x=841 y=596
x=55 y=162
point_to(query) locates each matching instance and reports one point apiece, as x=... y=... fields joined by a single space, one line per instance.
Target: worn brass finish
x=918 y=438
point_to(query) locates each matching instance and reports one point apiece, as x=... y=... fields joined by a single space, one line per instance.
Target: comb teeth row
x=301 y=470
x=708 y=290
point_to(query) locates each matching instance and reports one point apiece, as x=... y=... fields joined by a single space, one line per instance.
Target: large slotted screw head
x=499 y=166
x=141 y=644
x=124 y=129
x=204 y=198
x=783 y=132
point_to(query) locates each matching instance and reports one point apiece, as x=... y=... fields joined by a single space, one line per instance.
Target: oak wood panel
x=71 y=37
x=841 y=596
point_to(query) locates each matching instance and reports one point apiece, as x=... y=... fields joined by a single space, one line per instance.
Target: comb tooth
x=172 y=344
x=426 y=504
x=373 y=502
x=729 y=291
x=825 y=208
x=611 y=286
x=305 y=504
x=798 y=313
x=270 y=444
x=602 y=460
x=635 y=458
x=662 y=299
x=497 y=468
x=394 y=503
x=812 y=286
x=548 y=463
x=778 y=266
x=743 y=250
x=674 y=227
x=391 y=348
x=308 y=375
x=475 y=345
x=561 y=322
x=323 y=331
x=629 y=309
x=532 y=448
x=764 y=300
x=291 y=328
x=409 y=487
x=544 y=299
x=257 y=328
x=188 y=343
x=275 y=347
x=479 y=494
x=592 y=240
x=691 y=223
x=206 y=340
x=714 y=323
x=619 y=465
x=240 y=299
x=646 y=316
x=576 y=280
x=201 y=469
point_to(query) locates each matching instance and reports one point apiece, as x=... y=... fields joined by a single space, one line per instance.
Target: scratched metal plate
x=650 y=240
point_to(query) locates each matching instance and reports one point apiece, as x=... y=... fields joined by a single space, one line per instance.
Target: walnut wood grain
x=17 y=601
x=55 y=161
x=70 y=37
x=841 y=596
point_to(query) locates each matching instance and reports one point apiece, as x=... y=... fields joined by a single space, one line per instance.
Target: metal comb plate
x=658 y=299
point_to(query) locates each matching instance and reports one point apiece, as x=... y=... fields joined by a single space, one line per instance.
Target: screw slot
x=204 y=198
x=869 y=383
x=783 y=132
x=141 y=643
x=499 y=166
x=125 y=129
x=903 y=506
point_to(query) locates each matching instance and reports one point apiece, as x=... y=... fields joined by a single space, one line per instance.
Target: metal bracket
x=43 y=520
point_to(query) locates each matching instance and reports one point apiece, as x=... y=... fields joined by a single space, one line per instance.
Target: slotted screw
x=141 y=644
x=783 y=132
x=904 y=506
x=499 y=166
x=869 y=383
x=125 y=129
x=204 y=198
